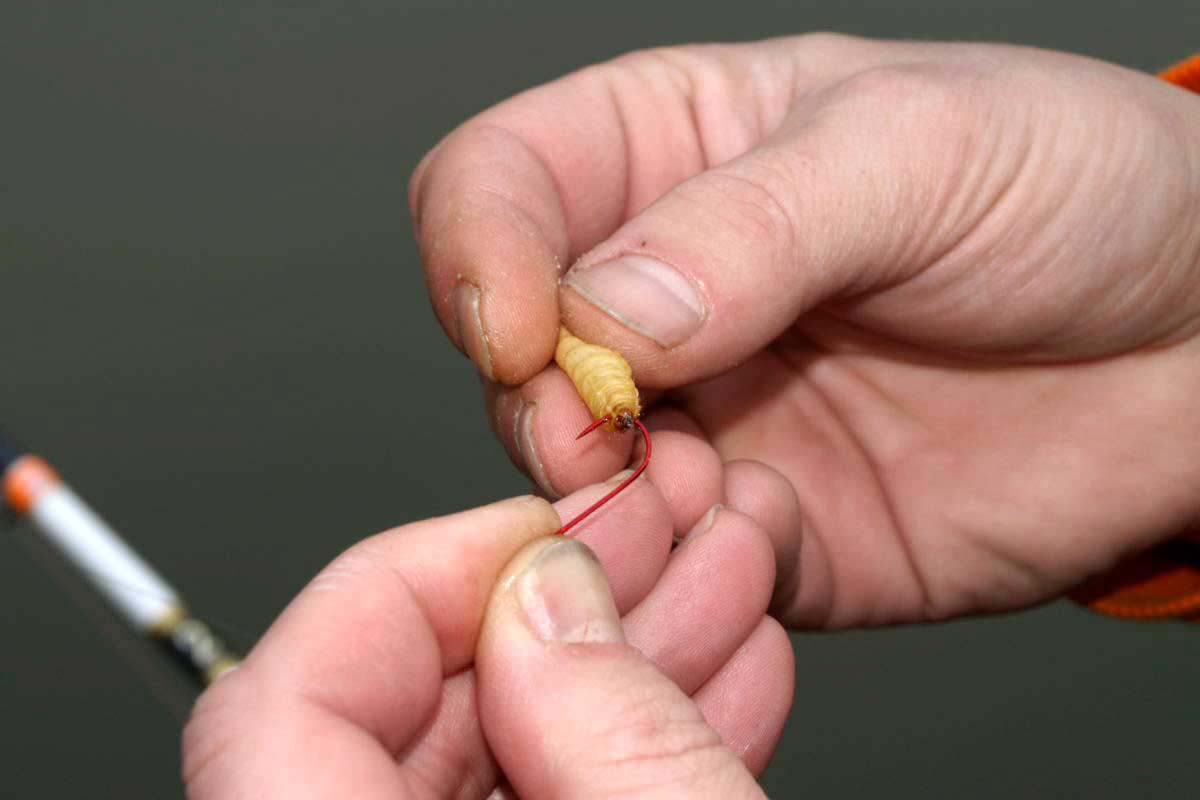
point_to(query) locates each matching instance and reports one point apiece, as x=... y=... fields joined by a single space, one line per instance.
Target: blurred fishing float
x=138 y=594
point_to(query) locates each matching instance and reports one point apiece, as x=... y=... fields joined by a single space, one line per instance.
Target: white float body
x=135 y=590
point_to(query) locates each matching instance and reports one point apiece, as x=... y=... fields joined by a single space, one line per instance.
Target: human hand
x=950 y=293
x=390 y=675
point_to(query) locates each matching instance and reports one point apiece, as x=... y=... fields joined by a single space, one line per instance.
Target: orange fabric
x=25 y=479
x=1185 y=74
x=1164 y=582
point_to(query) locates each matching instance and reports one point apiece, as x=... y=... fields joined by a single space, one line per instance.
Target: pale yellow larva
x=602 y=377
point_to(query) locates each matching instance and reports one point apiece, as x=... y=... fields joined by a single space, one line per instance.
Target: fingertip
x=494 y=286
x=492 y=238
x=631 y=535
x=767 y=497
x=560 y=691
x=711 y=596
x=751 y=722
x=536 y=514
x=416 y=183
x=685 y=467
x=755 y=555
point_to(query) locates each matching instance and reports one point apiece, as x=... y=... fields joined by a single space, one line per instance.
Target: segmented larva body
x=602 y=377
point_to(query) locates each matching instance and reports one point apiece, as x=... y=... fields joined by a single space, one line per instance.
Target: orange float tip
x=25 y=480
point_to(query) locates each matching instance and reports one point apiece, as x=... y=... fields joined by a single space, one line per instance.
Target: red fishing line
x=622 y=485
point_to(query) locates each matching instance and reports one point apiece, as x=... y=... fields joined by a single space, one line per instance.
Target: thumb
x=838 y=201
x=569 y=709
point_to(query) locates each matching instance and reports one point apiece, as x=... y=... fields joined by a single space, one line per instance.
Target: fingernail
x=706 y=522
x=643 y=294
x=470 y=327
x=566 y=598
x=620 y=476
x=701 y=527
x=523 y=432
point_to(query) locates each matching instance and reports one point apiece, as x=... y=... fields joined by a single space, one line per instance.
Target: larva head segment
x=623 y=420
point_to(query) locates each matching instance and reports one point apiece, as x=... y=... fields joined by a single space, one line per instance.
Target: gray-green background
x=212 y=319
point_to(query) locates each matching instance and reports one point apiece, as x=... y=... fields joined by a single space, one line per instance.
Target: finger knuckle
x=757 y=194
x=675 y=62
x=894 y=83
x=657 y=736
x=827 y=43
x=915 y=91
x=350 y=569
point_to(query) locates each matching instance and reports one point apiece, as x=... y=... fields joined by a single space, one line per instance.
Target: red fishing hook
x=622 y=485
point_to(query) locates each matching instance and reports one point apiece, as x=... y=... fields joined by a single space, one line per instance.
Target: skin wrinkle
x=614 y=96
x=1187 y=236
x=686 y=84
x=1171 y=268
x=420 y=741
x=996 y=202
x=1026 y=280
x=923 y=92
x=508 y=199
x=417 y=784
x=787 y=573
x=559 y=191
x=711 y=771
x=889 y=504
x=711 y=434
x=194 y=771
x=328 y=704
x=474 y=778
x=1104 y=312
x=742 y=660
x=311 y=695
x=761 y=723
x=949 y=102
x=348 y=567
x=703 y=74
x=1026 y=163
x=688 y=78
x=875 y=468
x=1038 y=282
x=1022 y=571
x=196 y=766
x=1027 y=573
x=830 y=605
x=1184 y=239
x=782 y=226
x=425 y=615
x=674 y=736
x=454 y=326
x=766 y=120
x=1015 y=565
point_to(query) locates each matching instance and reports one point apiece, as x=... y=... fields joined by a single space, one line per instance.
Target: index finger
x=377 y=629
x=372 y=637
